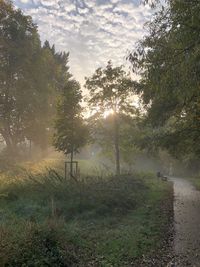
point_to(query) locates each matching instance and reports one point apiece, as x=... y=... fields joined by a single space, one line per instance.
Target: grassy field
x=102 y=220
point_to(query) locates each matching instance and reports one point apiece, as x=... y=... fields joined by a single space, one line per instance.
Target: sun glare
x=89 y=113
x=108 y=112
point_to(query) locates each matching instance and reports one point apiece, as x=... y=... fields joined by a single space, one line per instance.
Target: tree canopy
x=71 y=131
x=31 y=78
x=19 y=51
x=110 y=90
x=168 y=61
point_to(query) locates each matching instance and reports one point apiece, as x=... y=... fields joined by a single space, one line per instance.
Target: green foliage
x=71 y=131
x=31 y=77
x=20 y=48
x=110 y=91
x=168 y=62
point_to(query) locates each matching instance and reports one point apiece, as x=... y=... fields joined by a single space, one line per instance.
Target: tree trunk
x=116 y=144
x=30 y=148
x=71 y=163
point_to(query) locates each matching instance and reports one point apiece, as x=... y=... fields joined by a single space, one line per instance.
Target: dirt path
x=187 y=223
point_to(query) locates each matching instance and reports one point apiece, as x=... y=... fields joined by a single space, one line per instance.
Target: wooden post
x=73 y=169
x=65 y=170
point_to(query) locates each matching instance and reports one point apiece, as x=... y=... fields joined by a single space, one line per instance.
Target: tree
x=103 y=135
x=71 y=131
x=31 y=77
x=55 y=74
x=168 y=62
x=23 y=86
x=110 y=92
x=19 y=48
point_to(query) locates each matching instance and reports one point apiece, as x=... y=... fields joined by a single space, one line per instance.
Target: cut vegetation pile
x=98 y=221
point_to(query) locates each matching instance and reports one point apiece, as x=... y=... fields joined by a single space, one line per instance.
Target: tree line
x=40 y=101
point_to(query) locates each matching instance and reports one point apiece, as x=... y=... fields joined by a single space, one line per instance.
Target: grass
x=104 y=221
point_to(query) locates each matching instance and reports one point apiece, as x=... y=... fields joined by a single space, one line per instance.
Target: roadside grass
x=102 y=220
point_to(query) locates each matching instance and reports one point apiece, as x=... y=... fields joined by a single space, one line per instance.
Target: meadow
x=101 y=220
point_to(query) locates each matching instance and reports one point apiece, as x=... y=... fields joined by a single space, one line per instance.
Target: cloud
x=25 y=1
x=93 y=31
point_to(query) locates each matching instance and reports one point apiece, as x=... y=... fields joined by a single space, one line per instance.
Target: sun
x=108 y=112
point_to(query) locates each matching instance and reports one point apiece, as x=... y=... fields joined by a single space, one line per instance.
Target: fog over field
x=99 y=133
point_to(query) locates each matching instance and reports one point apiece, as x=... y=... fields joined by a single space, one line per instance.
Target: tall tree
x=110 y=92
x=31 y=77
x=103 y=132
x=55 y=74
x=71 y=131
x=168 y=61
x=21 y=78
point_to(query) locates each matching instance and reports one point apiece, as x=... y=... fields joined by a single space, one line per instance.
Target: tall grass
x=46 y=220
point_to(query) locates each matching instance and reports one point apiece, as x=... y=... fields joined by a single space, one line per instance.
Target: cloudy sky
x=93 y=31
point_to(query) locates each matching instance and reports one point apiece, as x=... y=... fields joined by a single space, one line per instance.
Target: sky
x=92 y=31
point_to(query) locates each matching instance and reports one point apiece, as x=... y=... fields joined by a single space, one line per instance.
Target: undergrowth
x=46 y=220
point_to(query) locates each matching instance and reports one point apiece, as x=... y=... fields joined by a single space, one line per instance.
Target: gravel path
x=186 y=223
x=182 y=247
